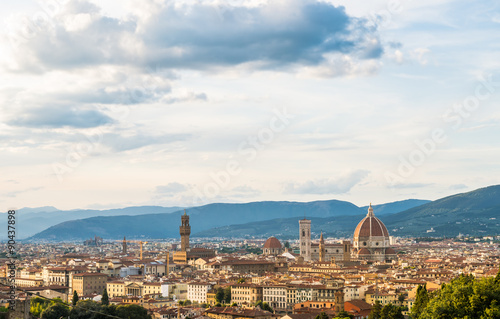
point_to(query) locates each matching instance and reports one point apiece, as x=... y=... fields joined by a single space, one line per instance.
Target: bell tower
x=305 y=238
x=321 y=248
x=185 y=231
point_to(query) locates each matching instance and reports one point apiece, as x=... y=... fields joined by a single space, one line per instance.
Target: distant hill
x=396 y=207
x=474 y=213
x=204 y=218
x=34 y=220
x=288 y=228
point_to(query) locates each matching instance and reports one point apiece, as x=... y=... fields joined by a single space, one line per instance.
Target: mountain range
x=31 y=221
x=472 y=213
x=203 y=218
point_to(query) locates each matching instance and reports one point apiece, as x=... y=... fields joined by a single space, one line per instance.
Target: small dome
x=364 y=251
x=370 y=226
x=272 y=243
x=390 y=251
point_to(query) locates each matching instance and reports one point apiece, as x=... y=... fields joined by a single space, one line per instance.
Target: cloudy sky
x=116 y=103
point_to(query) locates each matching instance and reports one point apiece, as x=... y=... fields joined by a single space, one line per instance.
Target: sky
x=107 y=104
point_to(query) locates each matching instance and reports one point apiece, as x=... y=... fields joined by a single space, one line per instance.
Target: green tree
x=464 y=297
x=75 y=298
x=497 y=278
x=241 y=280
x=88 y=309
x=264 y=306
x=187 y=302
x=227 y=295
x=105 y=298
x=132 y=312
x=421 y=300
x=234 y=304
x=321 y=316
x=401 y=299
x=218 y=304
x=55 y=311
x=376 y=312
x=287 y=244
x=391 y=311
x=344 y=315
x=219 y=294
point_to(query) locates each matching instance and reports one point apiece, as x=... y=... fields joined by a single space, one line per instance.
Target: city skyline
x=184 y=103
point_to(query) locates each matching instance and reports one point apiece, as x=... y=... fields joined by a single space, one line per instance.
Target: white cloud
x=338 y=185
x=226 y=34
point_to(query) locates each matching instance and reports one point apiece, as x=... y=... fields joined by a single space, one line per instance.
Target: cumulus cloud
x=244 y=191
x=458 y=186
x=200 y=35
x=411 y=185
x=339 y=185
x=120 y=142
x=171 y=189
x=52 y=116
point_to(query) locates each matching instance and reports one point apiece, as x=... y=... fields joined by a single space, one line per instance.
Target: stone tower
x=124 y=246
x=321 y=248
x=185 y=231
x=305 y=238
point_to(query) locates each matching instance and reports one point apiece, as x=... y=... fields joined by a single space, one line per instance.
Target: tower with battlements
x=185 y=231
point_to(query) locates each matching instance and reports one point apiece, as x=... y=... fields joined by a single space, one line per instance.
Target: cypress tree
x=105 y=298
x=75 y=298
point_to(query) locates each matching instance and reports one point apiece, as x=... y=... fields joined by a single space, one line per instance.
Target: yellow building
x=88 y=283
x=133 y=288
x=246 y=294
x=27 y=282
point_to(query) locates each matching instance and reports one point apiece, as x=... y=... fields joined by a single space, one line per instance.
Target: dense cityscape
x=249 y=159
x=245 y=278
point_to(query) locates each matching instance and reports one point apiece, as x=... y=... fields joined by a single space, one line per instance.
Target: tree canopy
x=463 y=297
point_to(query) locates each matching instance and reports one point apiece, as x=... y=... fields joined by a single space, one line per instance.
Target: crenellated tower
x=185 y=231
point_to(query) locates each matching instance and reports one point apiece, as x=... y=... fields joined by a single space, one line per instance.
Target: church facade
x=370 y=243
x=321 y=251
x=371 y=240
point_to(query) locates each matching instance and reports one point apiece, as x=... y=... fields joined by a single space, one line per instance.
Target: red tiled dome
x=390 y=251
x=370 y=226
x=272 y=242
x=364 y=251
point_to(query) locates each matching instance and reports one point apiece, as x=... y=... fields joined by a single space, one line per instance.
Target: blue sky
x=111 y=104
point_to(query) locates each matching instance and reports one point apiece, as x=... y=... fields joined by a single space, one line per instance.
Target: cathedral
x=371 y=240
x=371 y=243
x=321 y=251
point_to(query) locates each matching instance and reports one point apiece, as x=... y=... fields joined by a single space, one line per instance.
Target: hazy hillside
x=205 y=218
x=287 y=228
x=396 y=207
x=475 y=213
x=33 y=220
x=202 y=218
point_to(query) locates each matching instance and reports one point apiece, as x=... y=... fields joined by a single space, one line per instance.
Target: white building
x=197 y=292
x=275 y=296
x=353 y=292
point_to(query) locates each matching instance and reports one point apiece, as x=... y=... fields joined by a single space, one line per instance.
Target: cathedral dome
x=390 y=251
x=272 y=243
x=363 y=251
x=370 y=226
